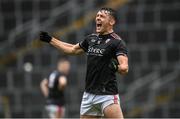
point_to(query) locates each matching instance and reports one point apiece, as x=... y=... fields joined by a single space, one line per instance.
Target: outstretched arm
x=67 y=48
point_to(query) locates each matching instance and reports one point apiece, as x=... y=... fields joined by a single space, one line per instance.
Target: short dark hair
x=62 y=58
x=111 y=11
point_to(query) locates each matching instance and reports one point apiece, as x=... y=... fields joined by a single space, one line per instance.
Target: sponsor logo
x=95 y=51
x=93 y=40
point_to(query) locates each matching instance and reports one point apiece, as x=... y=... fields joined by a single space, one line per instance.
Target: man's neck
x=107 y=32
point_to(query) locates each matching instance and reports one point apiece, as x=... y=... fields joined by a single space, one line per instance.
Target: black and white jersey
x=55 y=96
x=100 y=49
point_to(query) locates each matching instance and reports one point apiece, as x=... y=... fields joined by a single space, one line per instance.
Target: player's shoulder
x=115 y=36
x=92 y=35
x=117 y=39
x=55 y=73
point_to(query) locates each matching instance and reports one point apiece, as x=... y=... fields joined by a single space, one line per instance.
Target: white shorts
x=95 y=104
x=53 y=109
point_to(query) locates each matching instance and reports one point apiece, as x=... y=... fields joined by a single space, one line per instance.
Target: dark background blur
x=151 y=29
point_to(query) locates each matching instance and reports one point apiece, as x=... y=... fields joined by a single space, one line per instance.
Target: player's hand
x=114 y=65
x=44 y=36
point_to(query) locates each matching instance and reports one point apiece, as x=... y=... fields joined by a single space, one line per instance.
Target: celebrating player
x=106 y=54
x=53 y=89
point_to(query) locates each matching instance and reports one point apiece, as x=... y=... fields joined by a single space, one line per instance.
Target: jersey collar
x=105 y=36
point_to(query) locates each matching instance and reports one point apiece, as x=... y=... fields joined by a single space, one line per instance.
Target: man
x=53 y=89
x=103 y=49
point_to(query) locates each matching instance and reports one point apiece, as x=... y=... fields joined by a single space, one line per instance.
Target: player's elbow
x=73 y=50
x=70 y=51
x=43 y=85
x=123 y=69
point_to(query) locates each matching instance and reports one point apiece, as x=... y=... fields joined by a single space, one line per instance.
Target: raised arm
x=67 y=48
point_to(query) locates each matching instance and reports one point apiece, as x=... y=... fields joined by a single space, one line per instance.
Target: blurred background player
x=101 y=92
x=53 y=89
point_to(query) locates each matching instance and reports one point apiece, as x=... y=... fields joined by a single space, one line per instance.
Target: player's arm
x=122 y=57
x=62 y=82
x=123 y=64
x=67 y=48
x=44 y=87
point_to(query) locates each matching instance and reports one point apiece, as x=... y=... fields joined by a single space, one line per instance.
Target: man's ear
x=112 y=21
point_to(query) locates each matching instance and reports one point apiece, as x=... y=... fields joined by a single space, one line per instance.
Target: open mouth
x=98 y=25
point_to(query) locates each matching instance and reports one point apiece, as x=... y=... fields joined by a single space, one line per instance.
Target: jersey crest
x=107 y=40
